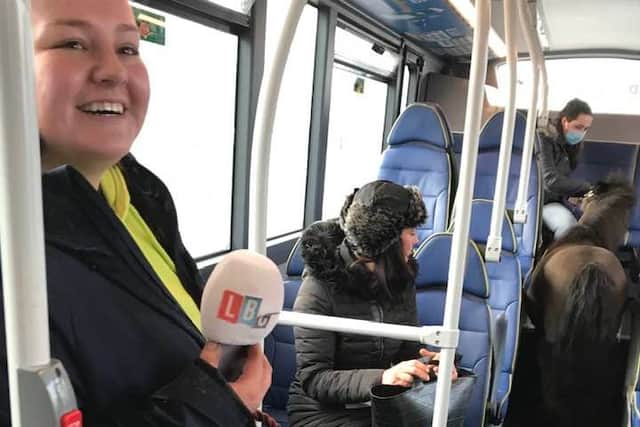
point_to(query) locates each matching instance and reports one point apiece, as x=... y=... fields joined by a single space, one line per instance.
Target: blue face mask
x=573 y=137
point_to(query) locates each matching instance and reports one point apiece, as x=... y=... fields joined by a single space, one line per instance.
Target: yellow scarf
x=114 y=189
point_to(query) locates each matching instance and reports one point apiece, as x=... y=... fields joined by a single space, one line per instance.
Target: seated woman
x=361 y=267
x=557 y=153
x=123 y=290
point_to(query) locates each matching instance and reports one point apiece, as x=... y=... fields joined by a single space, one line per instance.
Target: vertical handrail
x=21 y=219
x=544 y=89
x=494 y=241
x=263 y=129
x=529 y=31
x=475 y=100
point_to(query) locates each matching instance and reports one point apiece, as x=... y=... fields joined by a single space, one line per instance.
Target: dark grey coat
x=333 y=369
x=556 y=168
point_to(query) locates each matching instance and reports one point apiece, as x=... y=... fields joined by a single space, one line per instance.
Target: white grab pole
x=433 y=335
x=544 y=88
x=494 y=241
x=261 y=146
x=530 y=35
x=458 y=259
x=21 y=220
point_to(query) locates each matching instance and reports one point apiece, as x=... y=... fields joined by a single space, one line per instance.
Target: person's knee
x=558 y=219
x=563 y=225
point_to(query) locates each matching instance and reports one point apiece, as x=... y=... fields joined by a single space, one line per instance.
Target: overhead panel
x=432 y=24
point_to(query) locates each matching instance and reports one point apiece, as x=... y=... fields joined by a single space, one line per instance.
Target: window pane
x=405 y=88
x=351 y=47
x=290 y=139
x=242 y=6
x=356 y=126
x=608 y=85
x=188 y=136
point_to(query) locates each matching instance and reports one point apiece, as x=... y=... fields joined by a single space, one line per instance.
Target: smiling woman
x=92 y=86
x=123 y=292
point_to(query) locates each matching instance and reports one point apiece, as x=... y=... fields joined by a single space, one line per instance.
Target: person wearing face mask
x=557 y=151
x=123 y=291
x=360 y=266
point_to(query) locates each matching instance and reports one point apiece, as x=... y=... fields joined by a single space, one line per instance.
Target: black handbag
x=397 y=406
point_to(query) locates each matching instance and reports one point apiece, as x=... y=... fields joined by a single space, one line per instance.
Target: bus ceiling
x=565 y=27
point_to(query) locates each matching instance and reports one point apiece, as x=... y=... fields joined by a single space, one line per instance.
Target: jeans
x=558 y=218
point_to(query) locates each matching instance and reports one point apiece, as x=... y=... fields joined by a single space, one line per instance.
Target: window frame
x=203 y=12
x=249 y=30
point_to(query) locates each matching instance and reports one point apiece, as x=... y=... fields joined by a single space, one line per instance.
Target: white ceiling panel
x=609 y=25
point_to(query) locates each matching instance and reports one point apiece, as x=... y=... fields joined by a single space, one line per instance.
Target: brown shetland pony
x=576 y=297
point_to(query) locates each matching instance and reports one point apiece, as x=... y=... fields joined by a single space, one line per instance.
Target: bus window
x=609 y=85
x=356 y=126
x=188 y=135
x=405 y=87
x=290 y=138
x=356 y=50
x=356 y=119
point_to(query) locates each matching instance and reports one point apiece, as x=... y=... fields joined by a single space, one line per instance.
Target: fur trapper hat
x=374 y=216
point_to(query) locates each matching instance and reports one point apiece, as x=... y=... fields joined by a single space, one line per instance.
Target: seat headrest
x=491 y=132
x=433 y=258
x=295 y=263
x=481 y=225
x=421 y=122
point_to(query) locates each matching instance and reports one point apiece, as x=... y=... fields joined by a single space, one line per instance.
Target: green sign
x=358 y=86
x=151 y=26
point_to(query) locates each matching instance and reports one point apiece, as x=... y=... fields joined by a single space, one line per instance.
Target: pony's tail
x=589 y=315
x=573 y=378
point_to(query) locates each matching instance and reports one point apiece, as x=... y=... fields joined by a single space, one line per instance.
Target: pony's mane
x=613 y=196
x=613 y=186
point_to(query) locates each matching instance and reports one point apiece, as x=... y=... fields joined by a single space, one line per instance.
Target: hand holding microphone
x=255 y=380
x=240 y=306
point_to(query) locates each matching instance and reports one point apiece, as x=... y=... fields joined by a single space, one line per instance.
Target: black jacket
x=130 y=351
x=333 y=369
x=556 y=167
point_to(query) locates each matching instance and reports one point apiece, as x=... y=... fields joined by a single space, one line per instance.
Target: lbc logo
x=236 y=308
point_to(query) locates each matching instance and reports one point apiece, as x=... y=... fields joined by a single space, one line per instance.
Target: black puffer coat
x=336 y=371
x=556 y=166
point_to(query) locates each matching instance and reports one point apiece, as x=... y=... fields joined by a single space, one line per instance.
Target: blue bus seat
x=505 y=300
x=635 y=417
x=600 y=159
x=633 y=404
x=418 y=153
x=632 y=377
x=279 y=345
x=475 y=315
x=486 y=174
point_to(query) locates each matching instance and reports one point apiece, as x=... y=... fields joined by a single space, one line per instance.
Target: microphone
x=240 y=306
